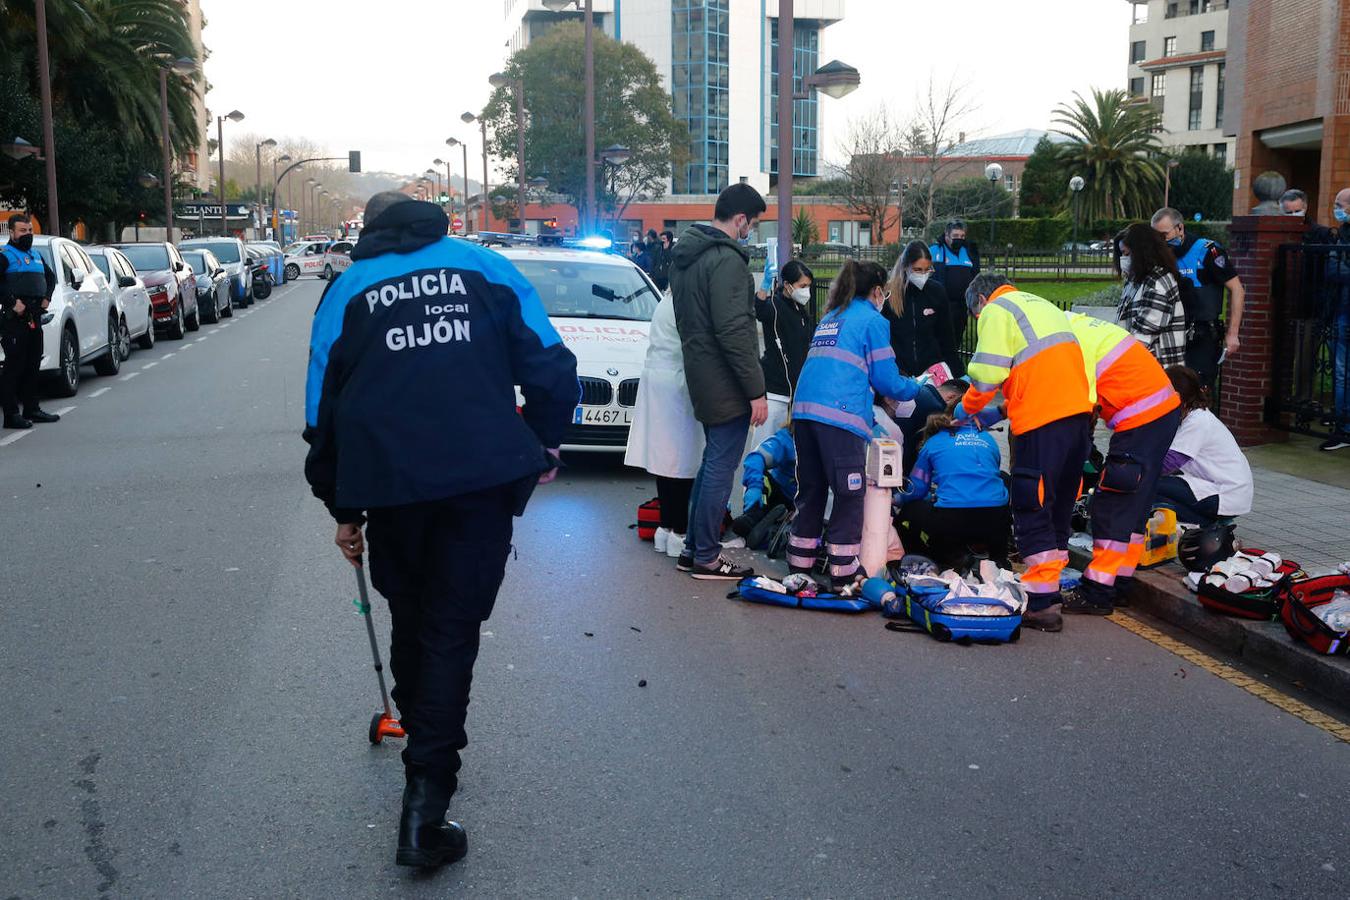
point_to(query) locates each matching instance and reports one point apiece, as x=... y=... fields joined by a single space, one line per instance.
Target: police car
x=601 y=305
x=305 y=257
x=338 y=258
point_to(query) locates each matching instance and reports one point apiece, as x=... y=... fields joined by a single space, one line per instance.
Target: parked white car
x=305 y=258
x=82 y=322
x=134 y=309
x=602 y=306
x=337 y=258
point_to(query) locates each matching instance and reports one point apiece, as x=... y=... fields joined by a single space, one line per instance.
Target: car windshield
x=292 y=249
x=101 y=262
x=195 y=259
x=225 y=251
x=146 y=257
x=590 y=290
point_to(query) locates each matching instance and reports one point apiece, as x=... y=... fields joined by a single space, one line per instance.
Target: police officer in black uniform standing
x=26 y=285
x=411 y=417
x=1206 y=271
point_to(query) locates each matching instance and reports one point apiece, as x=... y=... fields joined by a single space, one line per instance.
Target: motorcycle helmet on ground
x=1201 y=548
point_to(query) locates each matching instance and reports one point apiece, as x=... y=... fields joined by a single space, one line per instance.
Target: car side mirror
x=217 y=272
x=178 y=267
x=126 y=281
x=77 y=276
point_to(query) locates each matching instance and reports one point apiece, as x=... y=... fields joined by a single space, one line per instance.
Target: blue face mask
x=1175 y=242
x=1341 y=215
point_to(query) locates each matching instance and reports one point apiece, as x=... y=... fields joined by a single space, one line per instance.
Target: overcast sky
x=391 y=78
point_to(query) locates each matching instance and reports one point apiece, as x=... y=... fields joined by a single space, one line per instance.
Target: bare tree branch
x=872 y=150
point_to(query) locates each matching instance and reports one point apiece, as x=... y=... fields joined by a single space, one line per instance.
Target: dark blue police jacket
x=413 y=361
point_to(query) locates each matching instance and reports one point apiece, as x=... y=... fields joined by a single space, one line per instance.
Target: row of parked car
x=111 y=297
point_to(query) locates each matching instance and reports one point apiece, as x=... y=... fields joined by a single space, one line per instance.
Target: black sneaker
x=685 y=563
x=1338 y=441
x=17 y=421
x=1076 y=603
x=41 y=415
x=722 y=570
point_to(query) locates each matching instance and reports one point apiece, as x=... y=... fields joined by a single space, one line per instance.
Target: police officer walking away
x=1205 y=271
x=26 y=285
x=411 y=418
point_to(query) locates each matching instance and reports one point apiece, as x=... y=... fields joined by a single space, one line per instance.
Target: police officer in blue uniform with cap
x=415 y=352
x=26 y=285
x=1206 y=271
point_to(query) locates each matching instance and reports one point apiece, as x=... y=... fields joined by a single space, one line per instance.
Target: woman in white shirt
x=1206 y=475
x=665 y=438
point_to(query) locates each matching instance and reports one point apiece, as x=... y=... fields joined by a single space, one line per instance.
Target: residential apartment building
x=1178 y=63
x=1290 y=111
x=719 y=61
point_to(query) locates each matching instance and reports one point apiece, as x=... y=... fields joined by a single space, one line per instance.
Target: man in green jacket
x=714 y=296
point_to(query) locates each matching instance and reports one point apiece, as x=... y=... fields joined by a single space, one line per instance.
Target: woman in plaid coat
x=1150 y=304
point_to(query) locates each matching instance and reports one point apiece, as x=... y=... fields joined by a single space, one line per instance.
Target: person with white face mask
x=1151 y=306
x=787 y=321
x=920 y=317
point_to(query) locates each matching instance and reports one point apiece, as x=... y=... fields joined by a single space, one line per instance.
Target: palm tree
x=1111 y=143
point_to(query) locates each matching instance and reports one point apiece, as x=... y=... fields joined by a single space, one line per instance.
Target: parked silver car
x=134 y=309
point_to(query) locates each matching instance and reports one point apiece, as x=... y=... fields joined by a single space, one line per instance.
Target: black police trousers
x=439 y=565
x=23 y=360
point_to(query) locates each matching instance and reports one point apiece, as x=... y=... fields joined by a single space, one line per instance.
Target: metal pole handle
x=370 y=633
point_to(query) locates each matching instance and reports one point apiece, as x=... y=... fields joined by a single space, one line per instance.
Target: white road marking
x=129 y=377
x=9 y=439
x=185 y=348
x=149 y=365
x=100 y=392
x=167 y=356
x=199 y=340
x=65 y=409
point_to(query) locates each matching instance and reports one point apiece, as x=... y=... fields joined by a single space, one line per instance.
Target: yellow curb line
x=1267 y=693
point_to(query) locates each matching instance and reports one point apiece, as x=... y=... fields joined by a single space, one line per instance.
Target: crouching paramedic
x=1138 y=404
x=411 y=417
x=1026 y=348
x=832 y=418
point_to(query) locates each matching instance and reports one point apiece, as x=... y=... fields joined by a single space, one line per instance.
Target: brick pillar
x=1246 y=381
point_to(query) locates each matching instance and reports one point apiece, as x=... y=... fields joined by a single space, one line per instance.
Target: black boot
x=38 y=414
x=17 y=421
x=425 y=839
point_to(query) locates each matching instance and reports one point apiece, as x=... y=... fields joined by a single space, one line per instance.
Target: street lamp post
x=993 y=172
x=234 y=116
x=834 y=79
x=48 y=131
x=181 y=66
x=464 y=147
x=1167 y=183
x=257 y=153
x=501 y=79
x=435 y=176
x=450 y=200
x=613 y=155
x=1076 y=184
x=469 y=118
x=277 y=229
x=588 y=109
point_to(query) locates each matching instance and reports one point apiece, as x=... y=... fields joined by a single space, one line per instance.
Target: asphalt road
x=187 y=691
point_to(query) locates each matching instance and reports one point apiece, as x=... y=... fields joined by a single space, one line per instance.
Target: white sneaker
x=674 y=545
x=659 y=541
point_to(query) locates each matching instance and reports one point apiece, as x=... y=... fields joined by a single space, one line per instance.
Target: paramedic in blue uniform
x=411 y=419
x=956 y=262
x=1206 y=270
x=26 y=285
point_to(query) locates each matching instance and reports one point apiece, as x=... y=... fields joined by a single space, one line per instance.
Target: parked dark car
x=231 y=254
x=213 y=286
x=170 y=283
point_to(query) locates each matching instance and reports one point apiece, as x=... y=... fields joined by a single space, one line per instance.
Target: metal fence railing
x=1310 y=347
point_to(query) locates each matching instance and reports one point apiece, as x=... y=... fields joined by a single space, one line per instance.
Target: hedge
x=1054 y=233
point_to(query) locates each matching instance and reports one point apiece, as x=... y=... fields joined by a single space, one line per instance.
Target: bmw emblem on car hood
x=612 y=372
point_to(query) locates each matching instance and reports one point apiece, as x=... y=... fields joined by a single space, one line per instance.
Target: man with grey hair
x=410 y=413
x=1294 y=203
x=1206 y=271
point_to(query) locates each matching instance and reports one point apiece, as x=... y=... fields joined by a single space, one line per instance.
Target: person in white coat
x=665 y=438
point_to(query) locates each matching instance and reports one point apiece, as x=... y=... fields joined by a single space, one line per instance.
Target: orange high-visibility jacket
x=1123 y=377
x=1026 y=348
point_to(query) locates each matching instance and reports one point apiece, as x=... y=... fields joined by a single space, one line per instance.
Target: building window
x=1218 y=103
x=1221 y=152
x=1159 y=88
x=699 y=79
x=1137 y=51
x=1136 y=87
x=1197 y=97
x=1169 y=46
x=1171 y=12
x=1140 y=13
x=805 y=56
x=1206 y=41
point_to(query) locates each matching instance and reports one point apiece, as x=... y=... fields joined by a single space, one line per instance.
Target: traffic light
x=353 y=160
x=445 y=198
